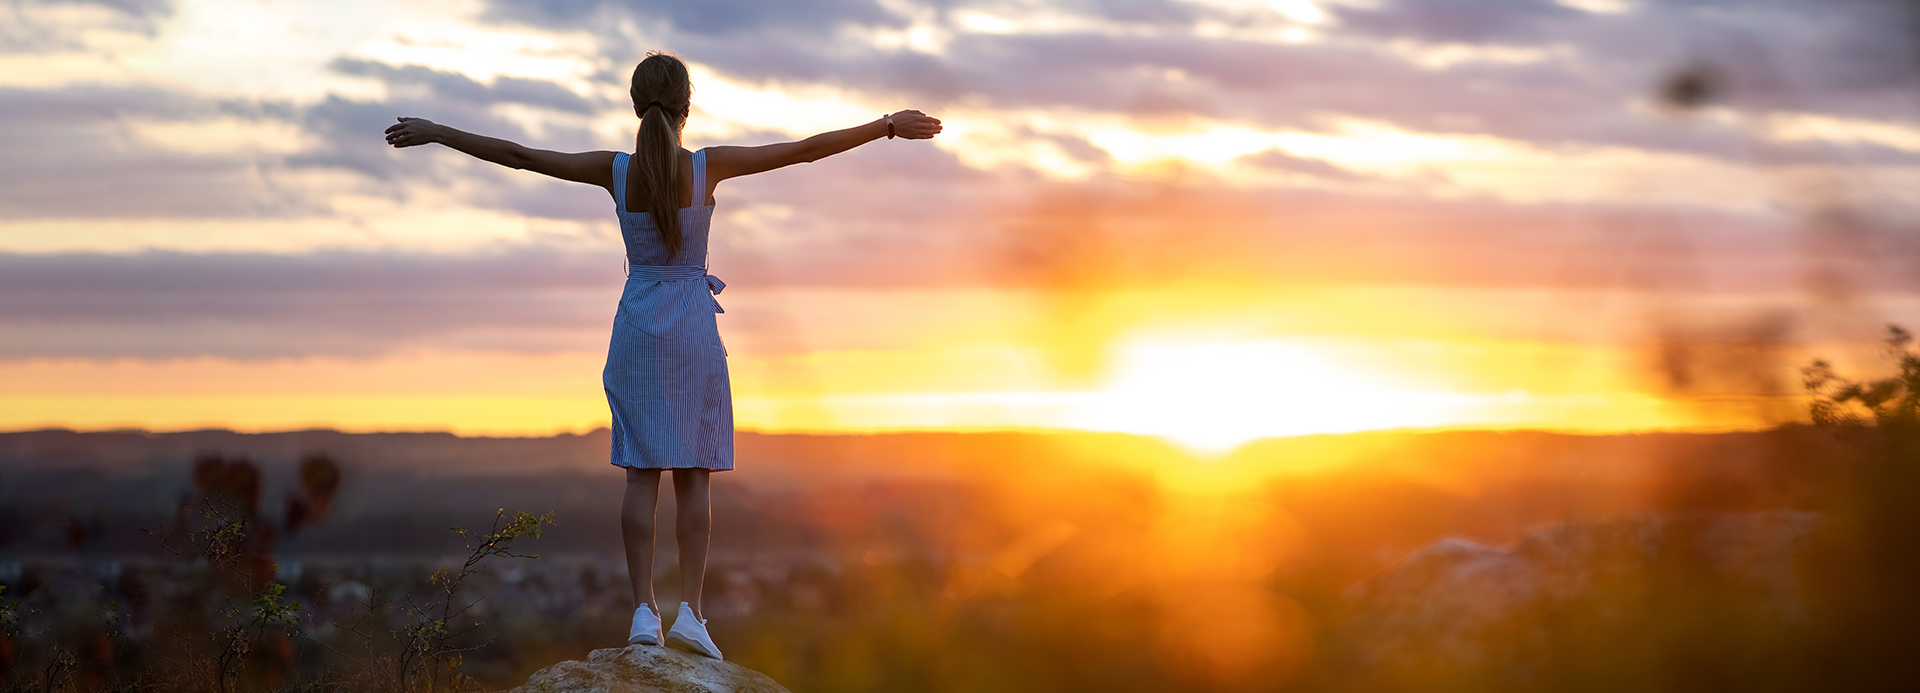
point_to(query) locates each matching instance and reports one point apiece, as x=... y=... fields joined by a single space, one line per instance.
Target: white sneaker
x=646 y=627
x=690 y=634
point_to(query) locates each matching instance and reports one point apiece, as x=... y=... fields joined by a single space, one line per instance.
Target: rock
x=648 y=669
x=1572 y=596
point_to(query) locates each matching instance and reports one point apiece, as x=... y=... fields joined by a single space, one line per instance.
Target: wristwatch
x=889 y=118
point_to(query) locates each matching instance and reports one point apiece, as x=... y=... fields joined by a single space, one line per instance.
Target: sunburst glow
x=1217 y=395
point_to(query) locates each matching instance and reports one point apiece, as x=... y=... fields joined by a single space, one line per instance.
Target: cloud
x=1065 y=245
x=1585 y=85
x=462 y=102
x=1281 y=161
x=150 y=153
x=1527 y=69
x=1457 y=21
x=167 y=305
x=710 y=18
x=910 y=215
x=1147 y=12
x=40 y=26
x=79 y=152
x=351 y=135
x=356 y=127
x=448 y=85
x=137 y=8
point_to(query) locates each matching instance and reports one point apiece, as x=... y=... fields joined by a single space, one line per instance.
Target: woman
x=666 y=373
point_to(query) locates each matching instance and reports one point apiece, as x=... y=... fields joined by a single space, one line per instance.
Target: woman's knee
x=693 y=519
x=692 y=480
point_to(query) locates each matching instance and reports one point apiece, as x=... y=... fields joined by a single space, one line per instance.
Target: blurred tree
x=1865 y=560
x=319 y=479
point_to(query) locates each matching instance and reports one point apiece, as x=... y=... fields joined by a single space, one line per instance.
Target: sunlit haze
x=1211 y=221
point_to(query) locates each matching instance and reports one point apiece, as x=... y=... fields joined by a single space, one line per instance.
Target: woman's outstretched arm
x=733 y=162
x=595 y=168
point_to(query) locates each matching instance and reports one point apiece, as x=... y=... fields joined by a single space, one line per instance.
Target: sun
x=1214 y=396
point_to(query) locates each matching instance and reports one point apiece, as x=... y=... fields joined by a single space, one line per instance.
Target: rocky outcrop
x=1600 y=591
x=648 y=669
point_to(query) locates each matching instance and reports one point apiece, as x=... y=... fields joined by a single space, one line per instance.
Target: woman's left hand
x=915 y=125
x=412 y=132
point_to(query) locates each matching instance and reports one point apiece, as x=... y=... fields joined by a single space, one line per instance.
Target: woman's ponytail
x=662 y=94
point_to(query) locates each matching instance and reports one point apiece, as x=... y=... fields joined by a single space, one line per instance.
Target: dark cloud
x=163 y=305
x=137 y=8
x=708 y=18
x=1587 y=85
x=454 y=86
x=26 y=30
x=352 y=133
x=1841 y=56
x=74 y=152
x=70 y=153
x=872 y=221
x=78 y=152
x=355 y=125
x=1281 y=161
x=353 y=128
x=1851 y=58
x=1457 y=21
x=1160 y=13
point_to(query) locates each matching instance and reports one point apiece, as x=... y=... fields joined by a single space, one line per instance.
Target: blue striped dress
x=666 y=374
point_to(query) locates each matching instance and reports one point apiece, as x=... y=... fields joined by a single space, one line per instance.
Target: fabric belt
x=678 y=273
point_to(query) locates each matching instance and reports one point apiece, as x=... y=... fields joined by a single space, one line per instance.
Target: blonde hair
x=662 y=94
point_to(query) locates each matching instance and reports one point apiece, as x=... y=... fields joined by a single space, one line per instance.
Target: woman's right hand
x=915 y=125
x=412 y=132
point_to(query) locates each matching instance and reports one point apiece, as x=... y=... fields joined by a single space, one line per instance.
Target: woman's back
x=636 y=228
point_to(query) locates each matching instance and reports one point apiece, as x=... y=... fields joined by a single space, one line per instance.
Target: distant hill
x=1366 y=498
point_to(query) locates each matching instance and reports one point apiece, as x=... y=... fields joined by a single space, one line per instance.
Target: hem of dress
x=727 y=468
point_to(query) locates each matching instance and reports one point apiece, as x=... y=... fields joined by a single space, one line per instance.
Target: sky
x=1203 y=219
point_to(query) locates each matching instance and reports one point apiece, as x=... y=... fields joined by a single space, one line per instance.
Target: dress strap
x=699 y=179
x=620 y=180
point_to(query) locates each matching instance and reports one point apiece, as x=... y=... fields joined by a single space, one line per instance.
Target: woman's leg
x=693 y=528
x=636 y=531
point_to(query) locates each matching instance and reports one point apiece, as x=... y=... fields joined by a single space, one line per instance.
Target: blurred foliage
x=1891 y=404
x=1685 y=622
x=1862 y=573
x=431 y=650
x=223 y=621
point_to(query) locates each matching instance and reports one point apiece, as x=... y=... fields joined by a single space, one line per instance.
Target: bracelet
x=889 y=118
